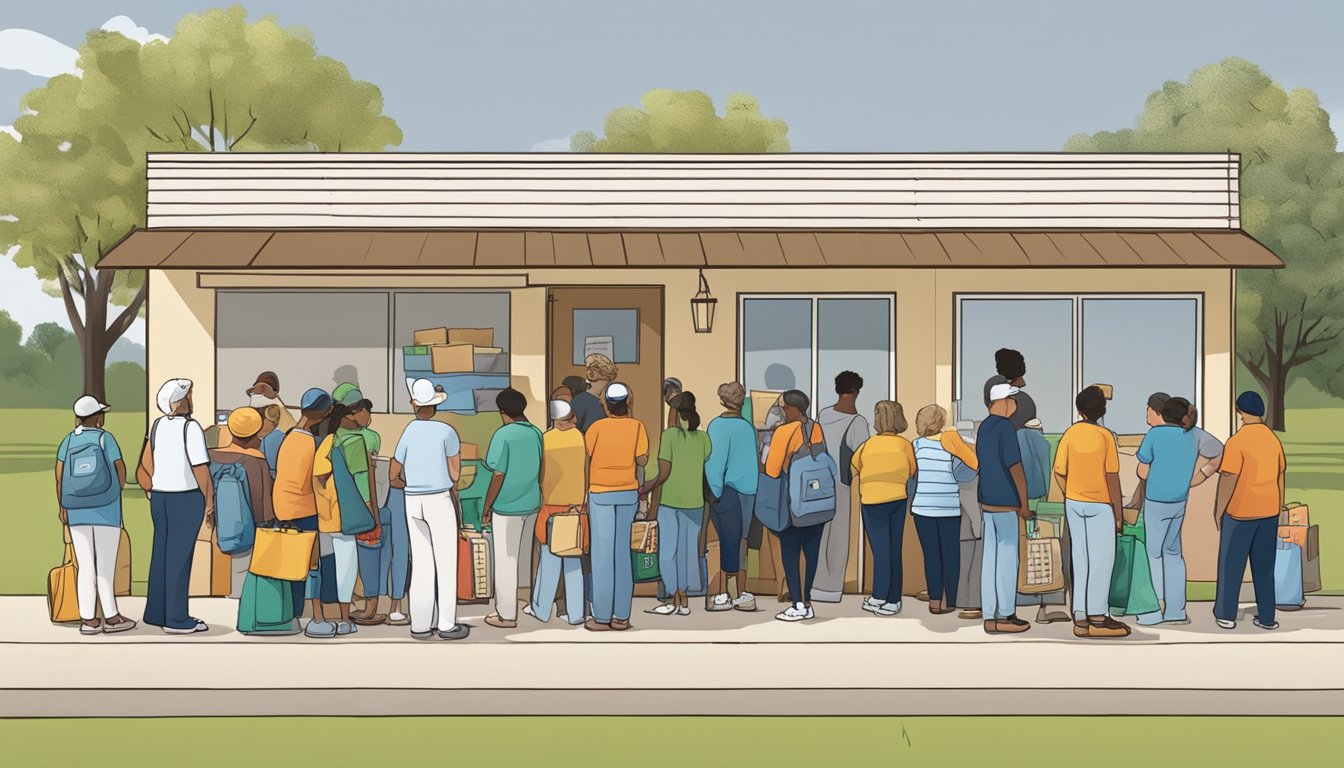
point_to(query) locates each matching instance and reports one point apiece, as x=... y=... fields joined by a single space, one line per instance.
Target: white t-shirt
x=178 y=445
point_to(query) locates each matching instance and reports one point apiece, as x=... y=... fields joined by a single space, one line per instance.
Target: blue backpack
x=812 y=479
x=234 y=526
x=87 y=481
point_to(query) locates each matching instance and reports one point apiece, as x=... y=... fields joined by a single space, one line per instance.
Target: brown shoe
x=991 y=627
x=970 y=614
x=1011 y=625
x=620 y=625
x=922 y=596
x=1080 y=629
x=593 y=625
x=495 y=620
x=1108 y=627
x=370 y=621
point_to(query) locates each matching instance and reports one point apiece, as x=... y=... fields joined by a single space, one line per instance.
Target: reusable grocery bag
x=1132 y=590
x=645 y=566
x=1288 y=574
x=61 y=602
x=283 y=553
x=266 y=605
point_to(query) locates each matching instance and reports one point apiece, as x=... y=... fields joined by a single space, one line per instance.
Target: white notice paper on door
x=600 y=345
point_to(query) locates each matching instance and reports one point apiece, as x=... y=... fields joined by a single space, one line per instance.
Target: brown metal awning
x=457 y=249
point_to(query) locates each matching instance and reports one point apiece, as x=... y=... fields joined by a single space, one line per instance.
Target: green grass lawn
x=679 y=741
x=32 y=546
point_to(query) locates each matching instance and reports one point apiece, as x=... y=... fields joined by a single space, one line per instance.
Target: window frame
x=1076 y=337
x=815 y=299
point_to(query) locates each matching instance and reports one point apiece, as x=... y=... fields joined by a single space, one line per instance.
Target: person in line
x=265 y=393
x=795 y=543
x=346 y=431
x=587 y=407
x=1011 y=369
x=1250 y=495
x=426 y=464
x=617 y=446
x=600 y=372
x=244 y=449
x=514 y=497
x=731 y=475
x=295 y=503
x=1087 y=464
x=271 y=436
x=1208 y=447
x=564 y=484
x=680 y=503
x=1003 y=501
x=936 y=506
x=883 y=465
x=90 y=474
x=845 y=430
x=371 y=547
x=1172 y=459
x=174 y=473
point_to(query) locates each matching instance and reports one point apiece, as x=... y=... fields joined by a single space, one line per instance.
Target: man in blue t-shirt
x=1003 y=499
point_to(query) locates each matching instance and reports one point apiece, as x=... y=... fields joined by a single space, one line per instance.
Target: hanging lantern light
x=702 y=307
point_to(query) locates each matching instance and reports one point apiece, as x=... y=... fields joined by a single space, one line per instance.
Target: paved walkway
x=845 y=662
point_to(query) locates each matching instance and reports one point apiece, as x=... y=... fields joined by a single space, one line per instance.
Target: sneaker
x=795 y=612
x=123 y=625
x=719 y=602
x=90 y=629
x=1226 y=624
x=458 y=632
x=1256 y=622
x=666 y=609
x=872 y=605
x=527 y=611
x=398 y=619
x=428 y=635
x=745 y=602
x=684 y=610
x=346 y=628
x=320 y=628
x=200 y=627
x=889 y=609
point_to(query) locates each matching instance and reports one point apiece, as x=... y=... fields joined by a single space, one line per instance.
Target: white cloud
x=552 y=145
x=127 y=26
x=35 y=53
x=10 y=130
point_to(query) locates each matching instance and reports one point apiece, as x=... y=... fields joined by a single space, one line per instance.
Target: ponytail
x=685 y=405
x=338 y=412
x=1178 y=411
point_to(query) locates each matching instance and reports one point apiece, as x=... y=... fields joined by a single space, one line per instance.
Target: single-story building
x=908 y=269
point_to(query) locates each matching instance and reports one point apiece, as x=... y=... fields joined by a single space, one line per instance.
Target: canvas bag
x=266 y=605
x=1288 y=574
x=283 y=553
x=235 y=529
x=568 y=533
x=62 y=604
x=355 y=515
x=87 y=480
x=644 y=537
x=1132 y=592
x=1040 y=563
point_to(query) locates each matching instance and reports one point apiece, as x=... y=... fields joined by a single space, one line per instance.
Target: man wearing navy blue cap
x=1250 y=495
x=294 y=503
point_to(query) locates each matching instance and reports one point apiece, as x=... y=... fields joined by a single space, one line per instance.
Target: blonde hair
x=889 y=418
x=600 y=368
x=930 y=420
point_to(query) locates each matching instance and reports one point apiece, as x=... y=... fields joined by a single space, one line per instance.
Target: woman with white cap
x=563 y=485
x=89 y=476
x=616 y=446
x=174 y=472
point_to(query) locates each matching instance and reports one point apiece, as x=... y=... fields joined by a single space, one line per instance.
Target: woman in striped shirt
x=936 y=505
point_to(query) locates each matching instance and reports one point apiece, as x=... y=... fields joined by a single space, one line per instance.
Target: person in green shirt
x=512 y=501
x=375 y=553
x=680 y=504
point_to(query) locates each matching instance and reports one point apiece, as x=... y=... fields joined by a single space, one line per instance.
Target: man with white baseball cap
x=1003 y=499
x=174 y=472
x=617 y=447
x=426 y=464
x=90 y=473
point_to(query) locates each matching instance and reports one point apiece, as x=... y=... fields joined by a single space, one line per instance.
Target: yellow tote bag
x=61 y=599
x=283 y=553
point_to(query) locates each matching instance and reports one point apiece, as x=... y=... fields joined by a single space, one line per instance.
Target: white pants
x=513 y=548
x=345 y=550
x=96 y=564
x=433 y=535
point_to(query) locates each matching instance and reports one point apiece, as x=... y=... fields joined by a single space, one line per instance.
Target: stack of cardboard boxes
x=464 y=361
x=1295 y=528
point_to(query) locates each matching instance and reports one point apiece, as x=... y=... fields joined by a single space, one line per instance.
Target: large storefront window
x=802 y=342
x=1136 y=344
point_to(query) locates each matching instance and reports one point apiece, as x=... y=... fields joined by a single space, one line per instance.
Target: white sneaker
x=720 y=602
x=527 y=610
x=872 y=606
x=888 y=609
x=745 y=602
x=795 y=612
x=1225 y=624
x=685 y=610
x=666 y=609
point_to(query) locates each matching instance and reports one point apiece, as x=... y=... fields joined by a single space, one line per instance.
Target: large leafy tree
x=75 y=184
x=1289 y=321
x=685 y=121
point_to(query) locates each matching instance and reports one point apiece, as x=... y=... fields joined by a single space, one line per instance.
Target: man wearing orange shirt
x=1250 y=495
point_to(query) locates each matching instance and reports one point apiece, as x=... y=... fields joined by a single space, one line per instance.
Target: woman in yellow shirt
x=881 y=467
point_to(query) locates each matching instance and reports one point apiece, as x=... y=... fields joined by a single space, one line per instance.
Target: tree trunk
x=1276 y=393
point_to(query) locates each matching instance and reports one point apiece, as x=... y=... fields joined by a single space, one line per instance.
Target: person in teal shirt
x=681 y=504
x=513 y=500
x=731 y=472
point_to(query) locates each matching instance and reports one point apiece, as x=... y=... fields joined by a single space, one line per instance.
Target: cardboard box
x=490 y=360
x=470 y=451
x=761 y=401
x=431 y=336
x=1295 y=513
x=415 y=359
x=1106 y=389
x=211 y=571
x=481 y=337
x=484 y=399
x=451 y=358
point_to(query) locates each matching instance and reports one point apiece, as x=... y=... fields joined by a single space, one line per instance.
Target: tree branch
x=158 y=135
x=1256 y=369
x=128 y=315
x=234 y=143
x=211 y=93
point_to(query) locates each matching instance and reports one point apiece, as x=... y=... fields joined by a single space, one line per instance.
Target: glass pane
x=621 y=325
x=855 y=335
x=1140 y=346
x=309 y=338
x=1042 y=330
x=416 y=311
x=777 y=344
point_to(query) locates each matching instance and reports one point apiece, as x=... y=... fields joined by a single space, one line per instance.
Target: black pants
x=177 y=519
x=794 y=542
x=1240 y=540
x=940 y=540
x=885 y=525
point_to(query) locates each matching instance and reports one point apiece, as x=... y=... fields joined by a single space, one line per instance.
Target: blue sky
x=846 y=76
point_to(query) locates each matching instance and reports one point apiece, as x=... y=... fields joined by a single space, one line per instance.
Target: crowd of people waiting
x=318 y=476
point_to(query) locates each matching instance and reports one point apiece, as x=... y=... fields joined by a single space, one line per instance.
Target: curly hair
x=600 y=368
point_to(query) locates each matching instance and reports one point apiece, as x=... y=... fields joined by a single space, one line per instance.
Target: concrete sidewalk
x=845 y=662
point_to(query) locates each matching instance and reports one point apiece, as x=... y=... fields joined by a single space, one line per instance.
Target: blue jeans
x=386 y=568
x=678 y=542
x=550 y=568
x=731 y=516
x=374 y=561
x=885 y=525
x=1239 y=540
x=177 y=519
x=939 y=539
x=998 y=568
x=1092 y=541
x=1162 y=535
x=610 y=515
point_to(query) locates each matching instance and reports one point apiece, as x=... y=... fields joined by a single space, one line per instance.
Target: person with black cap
x=1250 y=495
x=587 y=408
